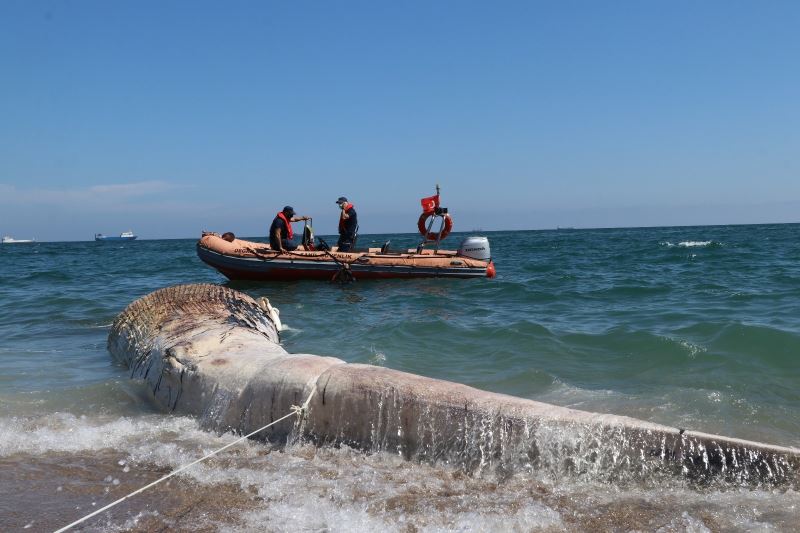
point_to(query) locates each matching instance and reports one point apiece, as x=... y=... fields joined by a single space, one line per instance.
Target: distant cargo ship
x=12 y=240
x=124 y=236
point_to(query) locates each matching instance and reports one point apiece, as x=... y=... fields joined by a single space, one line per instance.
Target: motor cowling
x=475 y=248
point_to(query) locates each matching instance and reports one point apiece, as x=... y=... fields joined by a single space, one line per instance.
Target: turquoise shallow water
x=694 y=326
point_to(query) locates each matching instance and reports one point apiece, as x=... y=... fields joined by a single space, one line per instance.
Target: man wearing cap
x=348 y=225
x=280 y=233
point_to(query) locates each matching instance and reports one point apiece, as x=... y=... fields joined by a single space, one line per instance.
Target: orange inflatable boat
x=238 y=259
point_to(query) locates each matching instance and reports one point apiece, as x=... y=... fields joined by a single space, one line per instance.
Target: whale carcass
x=214 y=353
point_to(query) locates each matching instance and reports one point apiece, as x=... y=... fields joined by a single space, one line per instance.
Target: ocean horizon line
x=478 y=230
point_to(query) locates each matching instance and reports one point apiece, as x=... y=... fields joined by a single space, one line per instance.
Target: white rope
x=296 y=410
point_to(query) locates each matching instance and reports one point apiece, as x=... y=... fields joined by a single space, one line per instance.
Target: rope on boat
x=262 y=256
x=343 y=275
x=298 y=410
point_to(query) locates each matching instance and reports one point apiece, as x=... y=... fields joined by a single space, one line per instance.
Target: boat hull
x=315 y=266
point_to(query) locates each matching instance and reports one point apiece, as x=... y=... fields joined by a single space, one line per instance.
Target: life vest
x=289 y=231
x=341 y=217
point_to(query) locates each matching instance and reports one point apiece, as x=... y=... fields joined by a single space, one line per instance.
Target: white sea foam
x=339 y=489
x=691 y=347
x=303 y=488
x=378 y=358
x=133 y=522
x=64 y=432
x=688 y=244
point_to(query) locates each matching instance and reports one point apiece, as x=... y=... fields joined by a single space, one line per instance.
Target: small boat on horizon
x=124 y=236
x=12 y=240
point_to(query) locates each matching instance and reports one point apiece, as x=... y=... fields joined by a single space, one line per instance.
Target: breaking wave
x=90 y=462
x=691 y=244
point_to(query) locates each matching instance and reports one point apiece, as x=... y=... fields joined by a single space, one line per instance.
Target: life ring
x=431 y=236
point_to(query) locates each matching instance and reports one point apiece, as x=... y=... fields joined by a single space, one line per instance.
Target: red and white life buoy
x=430 y=235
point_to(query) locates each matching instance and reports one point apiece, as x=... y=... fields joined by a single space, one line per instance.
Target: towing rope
x=298 y=410
x=342 y=275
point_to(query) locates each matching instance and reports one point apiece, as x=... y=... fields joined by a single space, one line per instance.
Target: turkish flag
x=430 y=203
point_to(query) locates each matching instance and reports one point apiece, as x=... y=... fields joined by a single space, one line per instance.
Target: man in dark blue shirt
x=348 y=225
x=281 y=233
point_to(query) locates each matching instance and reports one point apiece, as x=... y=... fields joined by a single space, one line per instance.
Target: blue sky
x=173 y=117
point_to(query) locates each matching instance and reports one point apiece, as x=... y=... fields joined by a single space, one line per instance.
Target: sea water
x=693 y=327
